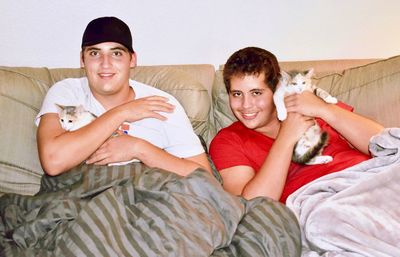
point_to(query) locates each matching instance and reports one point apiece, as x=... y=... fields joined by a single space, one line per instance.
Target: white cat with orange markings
x=308 y=150
x=75 y=117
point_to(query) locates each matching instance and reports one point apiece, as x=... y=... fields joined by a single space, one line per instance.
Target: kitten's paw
x=331 y=100
x=282 y=116
x=323 y=159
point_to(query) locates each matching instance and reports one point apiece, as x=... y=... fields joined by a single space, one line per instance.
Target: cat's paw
x=331 y=100
x=282 y=116
x=323 y=159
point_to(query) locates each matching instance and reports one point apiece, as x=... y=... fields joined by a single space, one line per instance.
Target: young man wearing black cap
x=160 y=133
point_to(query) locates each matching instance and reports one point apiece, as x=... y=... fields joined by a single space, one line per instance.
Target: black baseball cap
x=107 y=29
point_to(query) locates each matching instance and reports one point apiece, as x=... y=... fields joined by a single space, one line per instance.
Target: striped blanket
x=134 y=210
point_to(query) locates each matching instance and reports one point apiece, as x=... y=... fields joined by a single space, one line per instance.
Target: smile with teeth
x=249 y=115
x=106 y=75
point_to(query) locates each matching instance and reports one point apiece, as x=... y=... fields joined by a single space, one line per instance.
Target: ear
x=133 y=60
x=310 y=73
x=79 y=108
x=59 y=107
x=285 y=76
x=82 y=61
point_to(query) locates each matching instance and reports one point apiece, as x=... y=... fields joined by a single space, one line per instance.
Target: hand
x=115 y=149
x=147 y=107
x=306 y=103
x=294 y=126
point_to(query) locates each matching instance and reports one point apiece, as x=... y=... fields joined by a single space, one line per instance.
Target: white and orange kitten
x=308 y=149
x=75 y=117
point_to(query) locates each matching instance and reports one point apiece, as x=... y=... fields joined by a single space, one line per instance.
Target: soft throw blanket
x=133 y=210
x=354 y=212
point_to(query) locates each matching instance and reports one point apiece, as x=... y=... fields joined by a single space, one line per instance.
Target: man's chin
x=250 y=124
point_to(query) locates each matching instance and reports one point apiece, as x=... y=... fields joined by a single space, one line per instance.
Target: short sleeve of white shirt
x=71 y=92
x=175 y=135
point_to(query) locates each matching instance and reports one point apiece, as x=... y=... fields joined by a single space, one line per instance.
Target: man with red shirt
x=253 y=155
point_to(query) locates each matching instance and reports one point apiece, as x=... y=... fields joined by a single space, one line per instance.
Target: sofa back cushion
x=371 y=86
x=21 y=94
x=373 y=89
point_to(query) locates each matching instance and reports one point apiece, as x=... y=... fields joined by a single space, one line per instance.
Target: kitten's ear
x=59 y=107
x=79 y=109
x=285 y=76
x=310 y=73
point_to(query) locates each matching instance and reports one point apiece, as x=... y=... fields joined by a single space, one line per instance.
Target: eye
x=236 y=94
x=62 y=120
x=94 y=53
x=257 y=93
x=294 y=83
x=304 y=82
x=70 y=121
x=117 y=53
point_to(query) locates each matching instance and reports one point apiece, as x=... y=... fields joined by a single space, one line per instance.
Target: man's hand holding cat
x=113 y=150
x=147 y=107
x=294 y=127
x=306 y=103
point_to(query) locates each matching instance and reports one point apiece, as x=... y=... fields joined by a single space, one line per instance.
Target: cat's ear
x=285 y=76
x=59 y=107
x=310 y=73
x=80 y=109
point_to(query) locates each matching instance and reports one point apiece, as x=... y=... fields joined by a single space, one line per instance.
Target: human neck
x=111 y=101
x=271 y=130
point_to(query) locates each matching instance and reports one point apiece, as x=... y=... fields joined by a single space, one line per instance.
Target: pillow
x=190 y=93
x=21 y=95
x=373 y=90
x=223 y=115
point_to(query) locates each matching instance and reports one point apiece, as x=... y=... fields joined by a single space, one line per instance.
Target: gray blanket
x=133 y=210
x=354 y=212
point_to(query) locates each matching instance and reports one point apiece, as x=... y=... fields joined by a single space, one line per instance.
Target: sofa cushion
x=372 y=89
x=223 y=115
x=190 y=93
x=21 y=94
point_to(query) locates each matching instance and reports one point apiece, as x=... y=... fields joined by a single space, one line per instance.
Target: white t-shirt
x=175 y=135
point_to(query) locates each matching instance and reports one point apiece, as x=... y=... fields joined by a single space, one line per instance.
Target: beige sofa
x=371 y=86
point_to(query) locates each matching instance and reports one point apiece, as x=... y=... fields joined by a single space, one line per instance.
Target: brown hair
x=252 y=61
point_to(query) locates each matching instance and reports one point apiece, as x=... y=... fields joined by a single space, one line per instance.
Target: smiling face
x=107 y=67
x=251 y=101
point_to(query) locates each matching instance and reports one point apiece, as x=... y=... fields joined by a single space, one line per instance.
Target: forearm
x=356 y=129
x=270 y=179
x=59 y=150
x=153 y=156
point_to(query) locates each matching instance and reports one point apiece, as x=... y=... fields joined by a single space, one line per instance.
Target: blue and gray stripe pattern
x=134 y=210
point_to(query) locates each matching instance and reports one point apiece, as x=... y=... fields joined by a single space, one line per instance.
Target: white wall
x=48 y=32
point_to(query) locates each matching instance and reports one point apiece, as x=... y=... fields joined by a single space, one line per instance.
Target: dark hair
x=252 y=61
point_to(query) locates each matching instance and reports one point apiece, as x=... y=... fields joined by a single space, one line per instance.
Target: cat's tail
x=312 y=152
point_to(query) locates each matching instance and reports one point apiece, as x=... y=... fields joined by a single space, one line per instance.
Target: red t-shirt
x=237 y=145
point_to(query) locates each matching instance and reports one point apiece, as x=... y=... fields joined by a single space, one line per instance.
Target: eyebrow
x=235 y=91
x=120 y=48
x=90 y=48
x=257 y=89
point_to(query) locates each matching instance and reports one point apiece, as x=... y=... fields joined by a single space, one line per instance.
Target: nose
x=105 y=61
x=247 y=101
